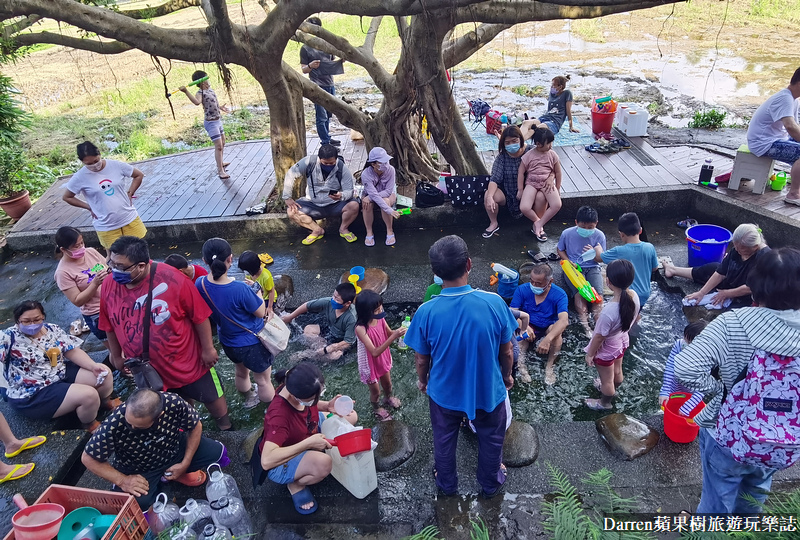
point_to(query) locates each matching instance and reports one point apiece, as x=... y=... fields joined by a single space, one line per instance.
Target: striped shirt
x=670 y=385
x=728 y=343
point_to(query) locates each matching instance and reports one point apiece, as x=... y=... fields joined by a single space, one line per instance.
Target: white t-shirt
x=766 y=127
x=107 y=195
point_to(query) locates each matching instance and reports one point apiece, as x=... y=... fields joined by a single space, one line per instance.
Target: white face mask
x=96 y=167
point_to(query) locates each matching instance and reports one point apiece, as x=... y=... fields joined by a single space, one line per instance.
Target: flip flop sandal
x=542 y=237
x=795 y=202
x=390 y=240
x=224 y=176
x=304 y=496
x=622 y=143
x=553 y=257
x=382 y=415
x=28 y=444
x=350 y=237
x=369 y=241
x=537 y=256
x=311 y=238
x=13 y=475
x=489 y=234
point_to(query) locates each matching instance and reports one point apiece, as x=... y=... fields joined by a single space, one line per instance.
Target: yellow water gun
x=573 y=274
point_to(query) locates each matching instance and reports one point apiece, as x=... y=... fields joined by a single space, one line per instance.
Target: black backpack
x=428 y=195
x=310 y=170
x=478 y=108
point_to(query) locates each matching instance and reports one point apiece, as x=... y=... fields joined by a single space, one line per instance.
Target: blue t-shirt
x=546 y=313
x=462 y=329
x=573 y=244
x=236 y=301
x=644 y=259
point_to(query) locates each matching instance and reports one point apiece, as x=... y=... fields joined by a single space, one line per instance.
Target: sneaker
x=335 y=142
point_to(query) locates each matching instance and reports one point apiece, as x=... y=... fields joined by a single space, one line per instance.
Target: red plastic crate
x=130 y=523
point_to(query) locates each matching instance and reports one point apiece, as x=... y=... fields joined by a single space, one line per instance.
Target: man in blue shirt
x=464 y=356
x=546 y=304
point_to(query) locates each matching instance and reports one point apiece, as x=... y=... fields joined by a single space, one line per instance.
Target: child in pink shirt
x=539 y=182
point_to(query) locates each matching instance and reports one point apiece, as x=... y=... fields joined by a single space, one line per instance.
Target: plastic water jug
x=343 y=406
x=196 y=514
x=275 y=334
x=186 y=533
x=401 y=343
x=355 y=472
x=165 y=514
x=230 y=512
x=212 y=532
x=220 y=484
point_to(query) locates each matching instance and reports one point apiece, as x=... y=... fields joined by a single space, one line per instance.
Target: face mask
x=512 y=148
x=553 y=91
x=96 y=167
x=336 y=305
x=76 y=253
x=438 y=280
x=30 y=329
x=123 y=278
x=536 y=290
x=381 y=315
x=326 y=169
x=307 y=403
x=586 y=233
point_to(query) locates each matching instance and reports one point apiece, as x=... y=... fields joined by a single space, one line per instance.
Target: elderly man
x=329 y=193
x=546 y=304
x=152 y=436
x=458 y=366
x=774 y=132
x=181 y=348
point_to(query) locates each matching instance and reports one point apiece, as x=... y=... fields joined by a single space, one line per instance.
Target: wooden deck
x=185 y=186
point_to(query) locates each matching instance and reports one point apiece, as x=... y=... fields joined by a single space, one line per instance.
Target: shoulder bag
x=145 y=375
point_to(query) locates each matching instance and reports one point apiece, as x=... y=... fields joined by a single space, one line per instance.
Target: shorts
x=593 y=275
x=539 y=331
x=787 y=151
x=43 y=404
x=256 y=357
x=206 y=389
x=550 y=125
x=284 y=474
x=608 y=363
x=315 y=211
x=134 y=228
x=91 y=322
x=214 y=129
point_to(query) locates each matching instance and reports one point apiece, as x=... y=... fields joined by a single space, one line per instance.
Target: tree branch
x=462 y=48
x=93 y=45
x=26 y=22
x=160 y=10
x=372 y=35
x=514 y=12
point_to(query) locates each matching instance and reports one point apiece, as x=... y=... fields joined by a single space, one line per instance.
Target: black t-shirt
x=736 y=270
x=138 y=451
x=323 y=75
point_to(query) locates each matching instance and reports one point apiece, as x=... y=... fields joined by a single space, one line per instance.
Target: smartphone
x=256 y=286
x=334 y=191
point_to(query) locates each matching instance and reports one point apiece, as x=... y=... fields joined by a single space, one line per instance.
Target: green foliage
x=431 y=532
x=711 y=119
x=37 y=178
x=140 y=145
x=480 y=531
x=12 y=117
x=12 y=159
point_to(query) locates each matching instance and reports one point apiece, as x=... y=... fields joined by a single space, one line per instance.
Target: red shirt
x=284 y=425
x=199 y=272
x=175 y=350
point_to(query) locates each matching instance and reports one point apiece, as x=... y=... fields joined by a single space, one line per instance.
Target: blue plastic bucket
x=359 y=271
x=707 y=244
x=507 y=286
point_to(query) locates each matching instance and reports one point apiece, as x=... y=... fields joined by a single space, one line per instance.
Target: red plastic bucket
x=602 y=122
x=679 y=428
x=353 y=442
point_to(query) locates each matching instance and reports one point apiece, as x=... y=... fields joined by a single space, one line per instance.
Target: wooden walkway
x=185 y=186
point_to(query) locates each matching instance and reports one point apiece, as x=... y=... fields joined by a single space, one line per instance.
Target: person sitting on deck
x=329 y=193
x=153 y=436
x=773 y=132
x=546 y=305
x=340 y=315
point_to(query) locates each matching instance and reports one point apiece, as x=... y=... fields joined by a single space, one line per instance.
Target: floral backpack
x=759 y=421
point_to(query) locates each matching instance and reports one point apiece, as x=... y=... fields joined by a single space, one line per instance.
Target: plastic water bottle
x=706 y=172
x=220 y=484
x=231 y=513
x=196 y=515
x=401 y=343
x=165 y=514
x=212 y=532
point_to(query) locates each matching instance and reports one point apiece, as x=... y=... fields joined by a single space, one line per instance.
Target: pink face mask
x=96 y=167
x=77 y=253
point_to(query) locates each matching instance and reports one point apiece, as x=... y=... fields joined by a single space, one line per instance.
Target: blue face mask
x=381 y=315
x=336 y=305
x=553 y=91
x=123 y=278
x=30 y=329
x=326 y=169
x=438 y=280
x=586 y=233
x=512 y=148
x=536 y=290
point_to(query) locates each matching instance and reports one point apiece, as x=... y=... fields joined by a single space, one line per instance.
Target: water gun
x=99 y=267
x=575 y=277
x=193 y=83
x=405 y=211
x=500 y=269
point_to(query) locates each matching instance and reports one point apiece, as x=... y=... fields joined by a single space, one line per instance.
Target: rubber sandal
x=13 y=474
x=795 y=202
x=224 y=176
x=192 y=479
x=311 y=238
x=595 y=405
x=392 y=402
x=537 y=256
x=390 y=240
x=686 y=223
x=28 y=444
x=265 y=258
x=382 y=415
x=489 y=234
x=369 y=241
x=350 y=237
x=553 y=257
x=304 y=496
x=487 y=495
x=622 y=143
x=542 y=237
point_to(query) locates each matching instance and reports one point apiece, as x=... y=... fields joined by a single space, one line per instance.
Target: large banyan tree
x=416 y=86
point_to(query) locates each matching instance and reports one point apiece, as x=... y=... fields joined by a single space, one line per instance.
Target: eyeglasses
x=118 y=267
x=32 y=321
